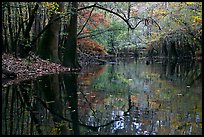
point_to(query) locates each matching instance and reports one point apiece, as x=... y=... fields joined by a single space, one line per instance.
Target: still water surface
x=129 y=97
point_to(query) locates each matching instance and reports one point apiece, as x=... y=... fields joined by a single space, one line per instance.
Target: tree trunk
x=48 y=46
x=24 y=46
x=164 y=52
x=4 y=33
x=70 y=81
x=49 y=87
x=36 y=29
x=70 y=56
x=172 y=50
x=10 y=28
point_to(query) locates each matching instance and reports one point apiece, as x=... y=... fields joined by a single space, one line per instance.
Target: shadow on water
x=129 y=97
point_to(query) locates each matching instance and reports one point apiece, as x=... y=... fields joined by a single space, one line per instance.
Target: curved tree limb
x=117 y=14
x=111 y=11
x=156 y=23
x=102 y=8
x=98 y=32
x=63 y=118
x=85 y=22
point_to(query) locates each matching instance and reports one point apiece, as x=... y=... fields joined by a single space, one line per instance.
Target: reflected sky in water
x=128 y=97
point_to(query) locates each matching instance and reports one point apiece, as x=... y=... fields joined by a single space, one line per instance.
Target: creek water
x=127 y=97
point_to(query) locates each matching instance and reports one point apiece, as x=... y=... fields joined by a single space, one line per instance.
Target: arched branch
x=156 y=23
x=102 y=8
x=63 y=118
x=86 y=22
x=111 y=11
x=120 y=16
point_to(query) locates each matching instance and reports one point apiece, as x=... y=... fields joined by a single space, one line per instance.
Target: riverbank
x=19 y=69
x=33 y=67
x=28 y=68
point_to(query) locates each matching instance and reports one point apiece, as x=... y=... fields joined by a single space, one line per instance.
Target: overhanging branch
x=120 y=16
x=99 y=7
x=86 y=21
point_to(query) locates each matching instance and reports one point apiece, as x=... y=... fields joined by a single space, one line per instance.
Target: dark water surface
x=129 y=97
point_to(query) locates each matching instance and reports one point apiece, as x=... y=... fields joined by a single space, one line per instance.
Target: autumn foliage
x=95 y=19
x=90 y=100
x=93 y=98
x=91 y=74
x=91 y=47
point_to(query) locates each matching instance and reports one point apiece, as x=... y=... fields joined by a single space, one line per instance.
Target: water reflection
x=127 y=98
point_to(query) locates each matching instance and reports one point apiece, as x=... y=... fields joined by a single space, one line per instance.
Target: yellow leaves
x=199 y=14
x=200 y=31
x=197 y=19
x=190 y=3
x=52 y=6
x=163 y=13
x=55 y=131
x=159 y=12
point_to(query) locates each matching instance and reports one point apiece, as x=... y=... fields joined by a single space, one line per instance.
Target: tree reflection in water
x=129 y=98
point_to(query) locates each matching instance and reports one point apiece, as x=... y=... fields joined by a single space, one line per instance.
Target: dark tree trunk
x=70 y=81
x=10 y=28
x=171 y=67
x=4 y=34
x=172 y=50
x=70 y=56
x=48 y=46
x=20 y=28
x=37 y=28
x=31 y=20
x=49 y=86
x=24 y=48
x=164 y=50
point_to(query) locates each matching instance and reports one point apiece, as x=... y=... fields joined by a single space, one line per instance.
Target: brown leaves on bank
x=30 y=67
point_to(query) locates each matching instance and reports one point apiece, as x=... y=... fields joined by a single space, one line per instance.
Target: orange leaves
x=91 y=47
x=92 y=73
x=133 y=13
x=86 y=31
x=96 y=19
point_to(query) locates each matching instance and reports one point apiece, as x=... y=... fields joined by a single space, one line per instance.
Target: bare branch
x=120 y=16
x=97 y=33
x=86 y=21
